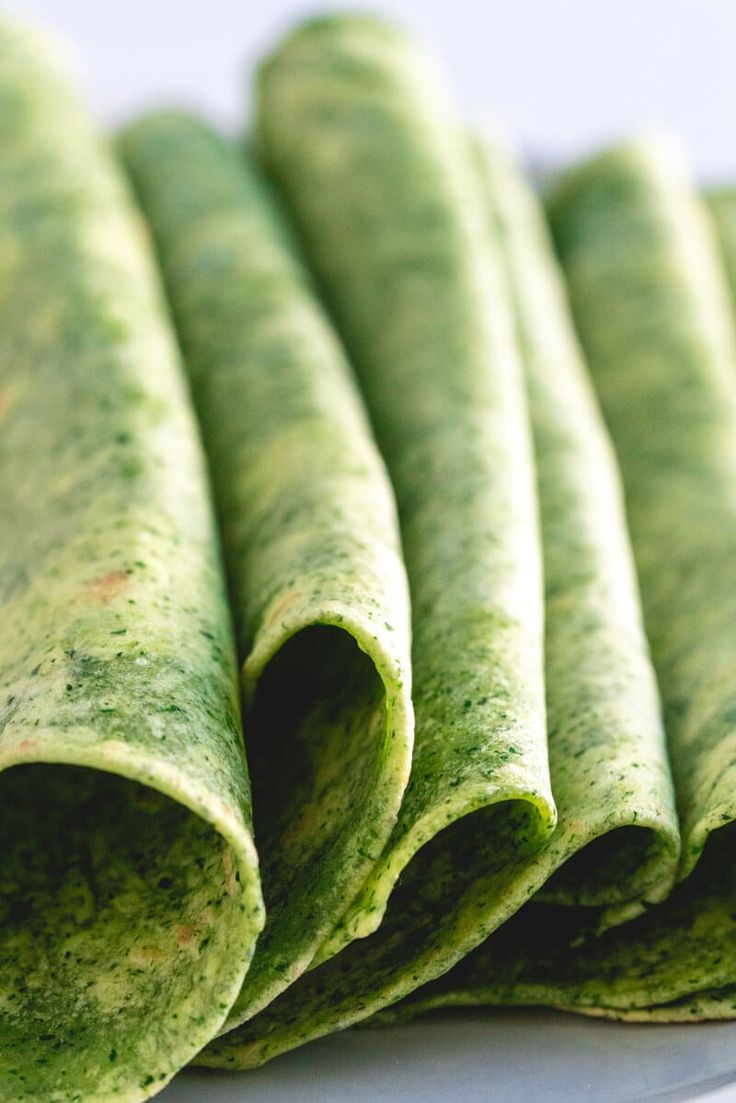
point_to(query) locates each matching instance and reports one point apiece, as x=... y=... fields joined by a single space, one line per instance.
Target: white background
x=560 y=75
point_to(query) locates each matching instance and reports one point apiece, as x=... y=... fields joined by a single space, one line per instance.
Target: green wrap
x=129 y=917
x=310 y=532
x=392 y=214
x=650 y=301
x=129 y=898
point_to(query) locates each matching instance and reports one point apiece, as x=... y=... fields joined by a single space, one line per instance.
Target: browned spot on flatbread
x=109 y=586
x=186 y=935
x=280 y=608
x=27 y=745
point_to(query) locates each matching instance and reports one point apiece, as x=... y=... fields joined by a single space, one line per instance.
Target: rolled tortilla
x=129 y=896
x=387 y=199
x=649 y=297
x=652 y=309
x=601 y=693
x=310 y=532
x=457 y=447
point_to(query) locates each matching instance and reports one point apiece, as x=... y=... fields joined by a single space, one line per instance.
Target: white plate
x=505 y=1056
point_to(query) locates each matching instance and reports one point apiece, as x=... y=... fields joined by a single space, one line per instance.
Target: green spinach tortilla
x=129 y=896
x=392 y=214
x=546 y=844
x=650 y=303
x=310 y=534
x=652 y=309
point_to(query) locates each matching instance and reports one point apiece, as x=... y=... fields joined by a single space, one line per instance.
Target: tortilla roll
x=393 y=215
x=651 y=305
x=650 y=301
x=364 y=149
x=130 y=902
x=310 y=532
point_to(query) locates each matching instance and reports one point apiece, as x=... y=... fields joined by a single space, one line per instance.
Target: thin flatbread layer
x=650 y=301
x=129 y=898
x=310 y=533
x=386 y=197
x=651 y=304
x=600 y=684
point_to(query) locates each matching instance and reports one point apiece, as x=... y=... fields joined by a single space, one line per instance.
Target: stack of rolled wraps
x=451 y=479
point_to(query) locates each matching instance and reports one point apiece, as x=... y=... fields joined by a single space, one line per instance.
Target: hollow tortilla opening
x=618 y=866
x=117 y=910
x=447 y=899
x=463 y=870
x=317 y=738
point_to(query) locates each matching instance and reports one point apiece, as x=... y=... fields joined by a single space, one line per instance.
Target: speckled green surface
x=394 y=219
x=129 y=892
x=129 y=899
x=395 y=247
x=652 y=309
x=310 y=531
x=651 y=305
x=607 y=750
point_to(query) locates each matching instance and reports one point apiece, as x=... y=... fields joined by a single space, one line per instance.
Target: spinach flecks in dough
x=129 y=898
x=652 y=312
x=310 y=536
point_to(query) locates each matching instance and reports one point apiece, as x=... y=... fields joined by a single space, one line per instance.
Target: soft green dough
x=129 y=891
x=651 y=305
x=310 y=533
x=412 y=292
x=605 y=731
x=129 y=898
x=393 y=216
x=650 y=301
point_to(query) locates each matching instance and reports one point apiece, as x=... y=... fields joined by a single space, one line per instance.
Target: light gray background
x=499 y=1056
x=561 y=76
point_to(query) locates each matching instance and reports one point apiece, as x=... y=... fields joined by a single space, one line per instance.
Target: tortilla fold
x=129 y=893
x=310 y=535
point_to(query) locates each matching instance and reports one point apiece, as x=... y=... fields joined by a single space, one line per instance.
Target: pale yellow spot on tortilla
x=143 y=957
x=107 y=587
x=280 y=608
